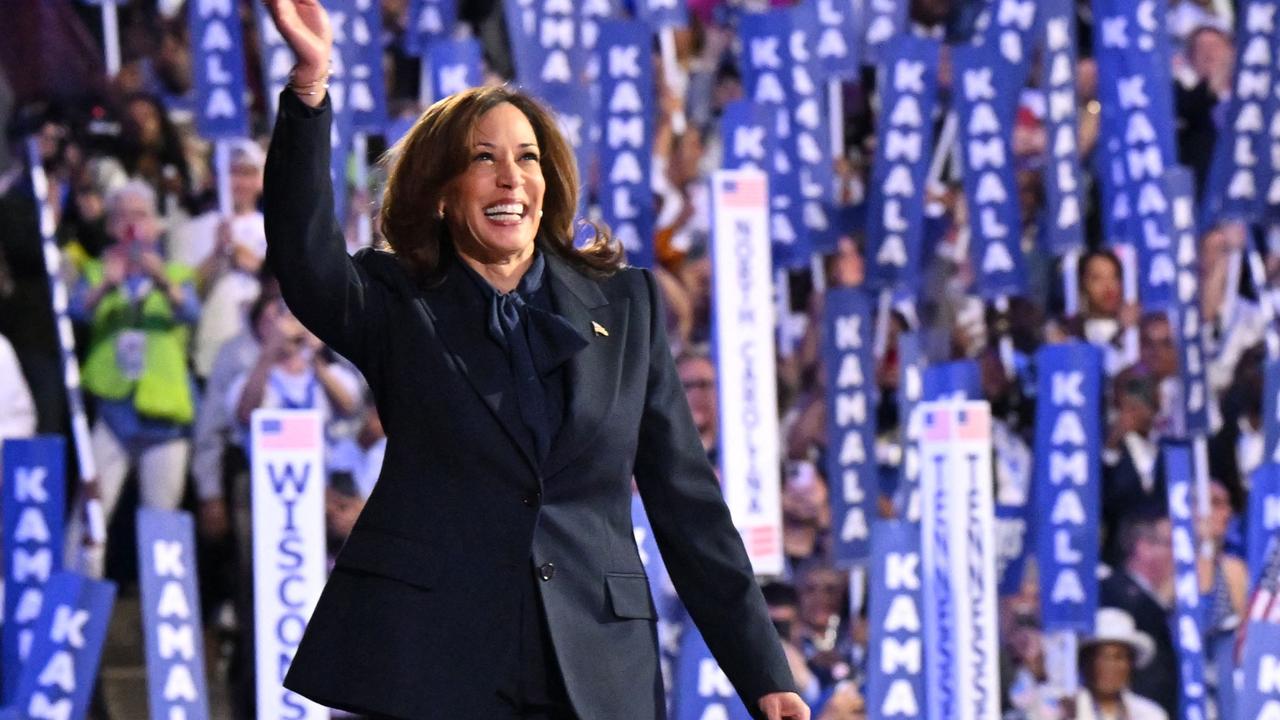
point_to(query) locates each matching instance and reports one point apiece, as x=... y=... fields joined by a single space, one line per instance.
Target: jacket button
x=547 y=571
x=532 y=500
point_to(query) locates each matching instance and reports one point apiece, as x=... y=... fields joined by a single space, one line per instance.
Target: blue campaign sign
x=746 y=129
x=1184 y=316
x=1010 y=34
x=1260 y=657
x=218 y=59
x=810 y=139
x=885 y=21
x=344 y=50
x=1263 y=521
x=366 y=89
x=907 y=81
x=522 y=28
x=1068 y=483
x=34 y=507
x=547 y=43
x=895 y=671
x=1134 y=73
x=766 y=71
x=277 y=58
x=701 y=689
x=1187 y=621
x=429 y=21
x=852 y=472
x=1063 y=207
x=838 y=44
x=575 y=115
x=58 y=678
x=1237 y=184
x=986 y=136
x=455 y=66
x=626 y=120
x=911 y=364
x=171 y=615
x=956 y=380
x=660 y=14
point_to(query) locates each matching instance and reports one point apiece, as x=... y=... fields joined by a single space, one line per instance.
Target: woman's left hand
x=784 y=706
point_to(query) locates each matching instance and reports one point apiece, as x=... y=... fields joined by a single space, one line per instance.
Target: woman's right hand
x=304 y=25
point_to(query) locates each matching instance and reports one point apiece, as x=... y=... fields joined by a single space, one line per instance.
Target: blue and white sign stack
x=851 y=399
x=58 y=676
x=34 y=507
x=987 y=103
x=1136 y=90
x=1188 y=614
x=958 y=556
x=1068 y=484
x=895 y=671
x=907 y=82
x=745 y=360
x=1184 y=313
x=288 y=474
x=627 y=122
x=1064 y=211
x=455 y=66
x=766 y=65
x=171 y=616
x=1242 y=168
x=218 y=60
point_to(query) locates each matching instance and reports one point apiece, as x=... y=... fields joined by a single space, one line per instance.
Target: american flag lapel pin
x=599 y=329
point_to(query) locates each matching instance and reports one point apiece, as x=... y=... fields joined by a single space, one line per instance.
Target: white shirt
x=224 y=315
x=1136 y=707
x=17 y=410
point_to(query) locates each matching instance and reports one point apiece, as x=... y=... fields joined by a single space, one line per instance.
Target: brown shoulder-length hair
x=435 y=151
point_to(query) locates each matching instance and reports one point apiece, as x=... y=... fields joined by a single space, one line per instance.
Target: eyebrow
x=523 y=145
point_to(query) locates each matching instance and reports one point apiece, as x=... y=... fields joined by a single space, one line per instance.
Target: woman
x=522 y=383
x=1104 y=316
x=1107 y=660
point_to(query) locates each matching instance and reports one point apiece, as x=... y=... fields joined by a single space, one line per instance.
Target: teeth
x=508 y=209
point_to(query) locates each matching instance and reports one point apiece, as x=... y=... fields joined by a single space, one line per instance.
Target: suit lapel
x=593 y=374
x=457 y=307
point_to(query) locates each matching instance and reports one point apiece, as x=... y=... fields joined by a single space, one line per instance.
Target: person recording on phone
x=139 y=309
x=522 y=383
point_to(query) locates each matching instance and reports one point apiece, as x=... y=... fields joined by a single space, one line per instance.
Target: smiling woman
x=523 y=384
x=461 y=162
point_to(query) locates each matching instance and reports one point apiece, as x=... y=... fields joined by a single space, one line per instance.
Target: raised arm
x=328 y=292
x=700 y=545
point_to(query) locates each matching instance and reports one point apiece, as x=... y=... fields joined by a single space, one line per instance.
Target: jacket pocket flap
x=629 y=596
x=390 y=555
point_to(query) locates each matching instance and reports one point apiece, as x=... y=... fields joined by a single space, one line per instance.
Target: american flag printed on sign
x=937 y=425
x=760 y=539
x=972 y=423
x=743 y=192
x=289 y=433
x=1265 y=606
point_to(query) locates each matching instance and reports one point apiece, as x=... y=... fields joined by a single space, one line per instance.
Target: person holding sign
x=522 y=383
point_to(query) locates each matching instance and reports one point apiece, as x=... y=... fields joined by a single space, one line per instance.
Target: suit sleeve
x=701 y=547
x=330 y=293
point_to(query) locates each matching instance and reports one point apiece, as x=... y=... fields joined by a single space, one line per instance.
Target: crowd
x=181 y=336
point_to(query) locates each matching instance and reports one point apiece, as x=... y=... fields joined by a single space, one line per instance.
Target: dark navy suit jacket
x=422 y=607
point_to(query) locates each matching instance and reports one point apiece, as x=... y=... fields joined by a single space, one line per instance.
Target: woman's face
x=493 y=207
x=1102 y=286
x=1219 y=511
x=1108 y=674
